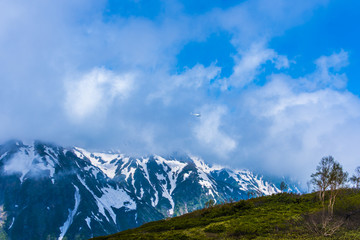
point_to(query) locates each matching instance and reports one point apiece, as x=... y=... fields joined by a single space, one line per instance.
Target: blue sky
x=275 y=81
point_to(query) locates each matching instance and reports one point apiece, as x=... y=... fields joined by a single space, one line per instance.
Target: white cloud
x=287 y=108
x=299 y=127
x=327 y=67
x=281 y=61
x=248 y=65
x=209 y=133
x=190 y=80
x=327 y=73
x=94 y=91
x=335 y=61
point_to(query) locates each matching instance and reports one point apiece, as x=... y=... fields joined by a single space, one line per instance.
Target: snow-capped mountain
x=51 y=192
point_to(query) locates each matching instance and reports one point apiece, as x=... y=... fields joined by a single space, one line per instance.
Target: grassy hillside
x=282 y=216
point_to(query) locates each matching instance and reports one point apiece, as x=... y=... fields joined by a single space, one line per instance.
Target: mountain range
x=53 y=192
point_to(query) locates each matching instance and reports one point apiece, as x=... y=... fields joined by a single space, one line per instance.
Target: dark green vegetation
x=281 y=216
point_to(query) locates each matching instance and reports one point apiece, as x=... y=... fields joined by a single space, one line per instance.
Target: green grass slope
x=281 y=216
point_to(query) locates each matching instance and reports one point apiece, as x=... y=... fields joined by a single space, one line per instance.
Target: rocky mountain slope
x=51 y=192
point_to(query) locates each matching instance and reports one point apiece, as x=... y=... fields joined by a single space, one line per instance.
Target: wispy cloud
x=93 y=92
x=248 y=65
x=328 y=68
x=209 y=133
x=190 y=80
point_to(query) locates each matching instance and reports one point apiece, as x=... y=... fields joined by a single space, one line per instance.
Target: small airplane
x=196 y=114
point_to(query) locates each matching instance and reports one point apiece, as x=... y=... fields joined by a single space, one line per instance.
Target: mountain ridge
x=81 y=194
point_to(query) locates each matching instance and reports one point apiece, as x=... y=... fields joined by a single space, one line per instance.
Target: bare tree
x=321 y=179
x=337 y=180
x=327 y=226
x=355 y=179
x=329 y=176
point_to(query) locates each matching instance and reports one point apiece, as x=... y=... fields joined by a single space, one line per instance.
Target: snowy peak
x=162 y=182
x=247 y=181
x=65 y=192
x=107 y=162
x=30 y=160
x=82 y=194
x=202 y=166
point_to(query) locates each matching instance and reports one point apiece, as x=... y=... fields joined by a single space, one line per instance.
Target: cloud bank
x=80 y=74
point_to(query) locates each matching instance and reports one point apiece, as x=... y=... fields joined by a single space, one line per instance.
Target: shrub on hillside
x=215 y=228
x=244 y=229
x=243 y=205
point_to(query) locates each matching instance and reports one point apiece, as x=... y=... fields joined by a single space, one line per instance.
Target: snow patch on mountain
x=111 y=198
x=200 y=164
x=88 y=222
x=21 y=162
x=70 y=218
x=174 y=168
x=105 y=161
x=26 y=160
x=3 y=155
x=247 y=181
x=186 y=175
x=12 y=222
